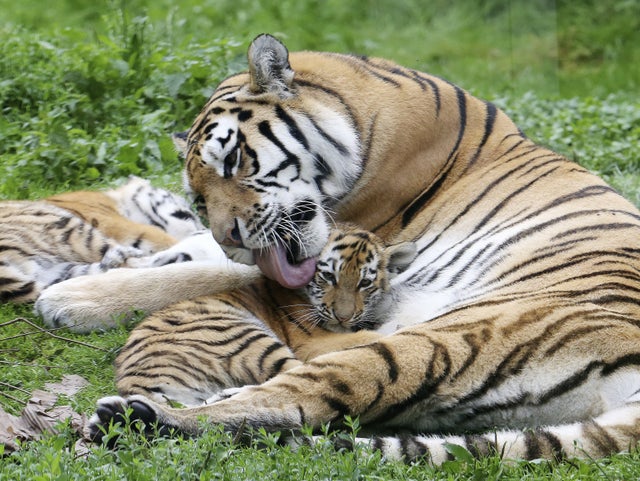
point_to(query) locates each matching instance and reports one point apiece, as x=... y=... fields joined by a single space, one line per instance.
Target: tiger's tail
x=614 y=431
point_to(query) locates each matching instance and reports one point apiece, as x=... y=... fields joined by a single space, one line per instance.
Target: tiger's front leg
x=194 y=350
x=363 y=381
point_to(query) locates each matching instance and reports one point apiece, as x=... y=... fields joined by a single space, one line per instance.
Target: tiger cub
x=46 y=241
x=352 y=288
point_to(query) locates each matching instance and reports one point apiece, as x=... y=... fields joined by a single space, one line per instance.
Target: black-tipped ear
x=269 y=67
x=180 y=142
x=401 y=256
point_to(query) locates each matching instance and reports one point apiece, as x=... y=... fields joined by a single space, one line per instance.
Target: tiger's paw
x=80 y=305
x=112 y=410
x=95 y=302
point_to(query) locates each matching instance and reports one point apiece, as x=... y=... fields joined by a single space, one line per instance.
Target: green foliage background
x=91 y=89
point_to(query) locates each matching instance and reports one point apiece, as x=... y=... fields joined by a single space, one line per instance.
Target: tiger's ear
x=269 y=68
x=180 y=142
x=401 y=256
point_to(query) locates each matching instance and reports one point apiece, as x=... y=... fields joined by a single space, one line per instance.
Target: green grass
x=89 y=92
x=215 y=456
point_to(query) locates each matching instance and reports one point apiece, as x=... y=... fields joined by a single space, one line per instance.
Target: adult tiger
x=524 y=308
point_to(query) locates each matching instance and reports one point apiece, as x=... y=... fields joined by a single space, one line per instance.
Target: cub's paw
x=115 y=409
x=200 y=246
x=117 y=256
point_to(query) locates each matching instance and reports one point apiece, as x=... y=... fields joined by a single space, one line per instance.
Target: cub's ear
x=401 y=256
x=269 y=68
x=180 y=142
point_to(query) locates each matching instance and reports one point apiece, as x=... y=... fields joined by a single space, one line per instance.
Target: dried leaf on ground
x=40 y=415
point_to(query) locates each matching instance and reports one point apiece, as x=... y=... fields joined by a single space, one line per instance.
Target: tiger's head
x=350 y=290
x=266 y=158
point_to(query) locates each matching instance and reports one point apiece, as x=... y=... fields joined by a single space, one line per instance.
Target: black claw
x=142 y=412
x=105 y=414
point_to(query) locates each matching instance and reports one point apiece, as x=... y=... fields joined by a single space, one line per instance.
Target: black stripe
x=474 y=343
x=389 y=359
x=489 y=122
x=332 y=93
x=264 y=183
x=417 y=205
x=437 y=371
x=334 y=142
x=532 y=445
x=265 y=129
x=336 y=405
x=269 y=350
x=458 y=275
x=370 y=68
x=463 y=246
x=436 y=95
x=536 y=229
x=479 y=446
x=553 y=443
x=24 y=290
x=599 y=437
x=278 y=365
x=292 y=126
x=573 y=381
x=521 y=139
x=242 y=346
x=598 y=227
x=377 y=444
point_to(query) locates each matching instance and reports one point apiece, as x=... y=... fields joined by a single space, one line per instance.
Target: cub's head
x=270 y=152
x=349 y=290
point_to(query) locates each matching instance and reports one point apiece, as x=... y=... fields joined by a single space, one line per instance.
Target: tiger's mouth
x=286 y=261
x=277 y=262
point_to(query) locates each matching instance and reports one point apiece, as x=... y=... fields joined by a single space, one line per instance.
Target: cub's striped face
x=265 y=159
x=352 y=279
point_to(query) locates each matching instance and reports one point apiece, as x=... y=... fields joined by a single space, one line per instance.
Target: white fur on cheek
x=221 y=141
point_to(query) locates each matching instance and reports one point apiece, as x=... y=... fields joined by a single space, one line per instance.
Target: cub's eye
x=328 y=277
x=364 y=283
x=200 y=206
x=230 y=161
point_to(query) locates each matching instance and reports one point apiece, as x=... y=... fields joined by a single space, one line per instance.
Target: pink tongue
x=274 y=264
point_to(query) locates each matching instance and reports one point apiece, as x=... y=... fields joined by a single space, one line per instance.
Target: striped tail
x=613 y=432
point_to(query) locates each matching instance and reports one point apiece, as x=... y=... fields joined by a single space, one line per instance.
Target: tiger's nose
x=232 y=236
x=343 y=315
